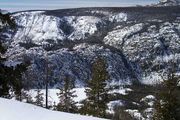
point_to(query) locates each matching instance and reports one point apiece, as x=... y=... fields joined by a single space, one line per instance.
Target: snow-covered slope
x=137 y=43
x=14 y=110
x=39 y=27
x=168 y=3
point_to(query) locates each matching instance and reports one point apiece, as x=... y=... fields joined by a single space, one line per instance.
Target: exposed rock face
x=137 y=42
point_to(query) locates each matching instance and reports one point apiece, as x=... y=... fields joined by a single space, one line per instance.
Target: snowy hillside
x=14 y=110
x=136 y=42
x=168 y=3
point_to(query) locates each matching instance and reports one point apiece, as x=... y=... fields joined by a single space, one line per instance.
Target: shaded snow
x=113 y=104
x=135 y=114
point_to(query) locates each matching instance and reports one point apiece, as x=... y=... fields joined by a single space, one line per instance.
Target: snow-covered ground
x=122 y=91
x=81 y=95
x=14 y=110
x=53 y=98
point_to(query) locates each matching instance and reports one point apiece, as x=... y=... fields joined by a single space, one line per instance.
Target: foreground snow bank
x=14 y=110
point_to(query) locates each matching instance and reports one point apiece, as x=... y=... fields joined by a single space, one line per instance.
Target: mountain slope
x=168 y=3
x=137 y=42
x=14 y=110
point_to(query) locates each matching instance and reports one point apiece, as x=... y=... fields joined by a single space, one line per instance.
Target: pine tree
x=5 y=72
x=5 y=80
x=17 y=80
x=9 y=76
x=96 y=91
x=167 y=105
x=121 y=114
x=66 y=95
x=27 y=97
x=39 y=98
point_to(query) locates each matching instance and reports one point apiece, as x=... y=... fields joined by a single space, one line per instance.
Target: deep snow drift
x=14 y=110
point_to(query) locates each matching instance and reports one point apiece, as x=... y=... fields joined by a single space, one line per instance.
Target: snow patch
x=53 y=98
x=14 y=110
x=112 y=104
x=123 y=91
x=119 y=17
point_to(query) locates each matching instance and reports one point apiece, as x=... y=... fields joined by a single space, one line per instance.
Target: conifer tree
x=10 y=77
x=5 y=72
x=167 y=105
x=17 y=80
x=96 y=91
x=26 y=96
x=39 y=98
x=66 y=95
x=5 y=83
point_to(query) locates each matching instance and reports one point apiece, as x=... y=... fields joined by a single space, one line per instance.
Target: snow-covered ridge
x=114 y=38
x=39 y=28
x=134 y=41
x=168 y=3
x=14 y=110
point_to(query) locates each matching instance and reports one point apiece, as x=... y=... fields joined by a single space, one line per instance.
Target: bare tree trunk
x=47 y=81
x=46 y=94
